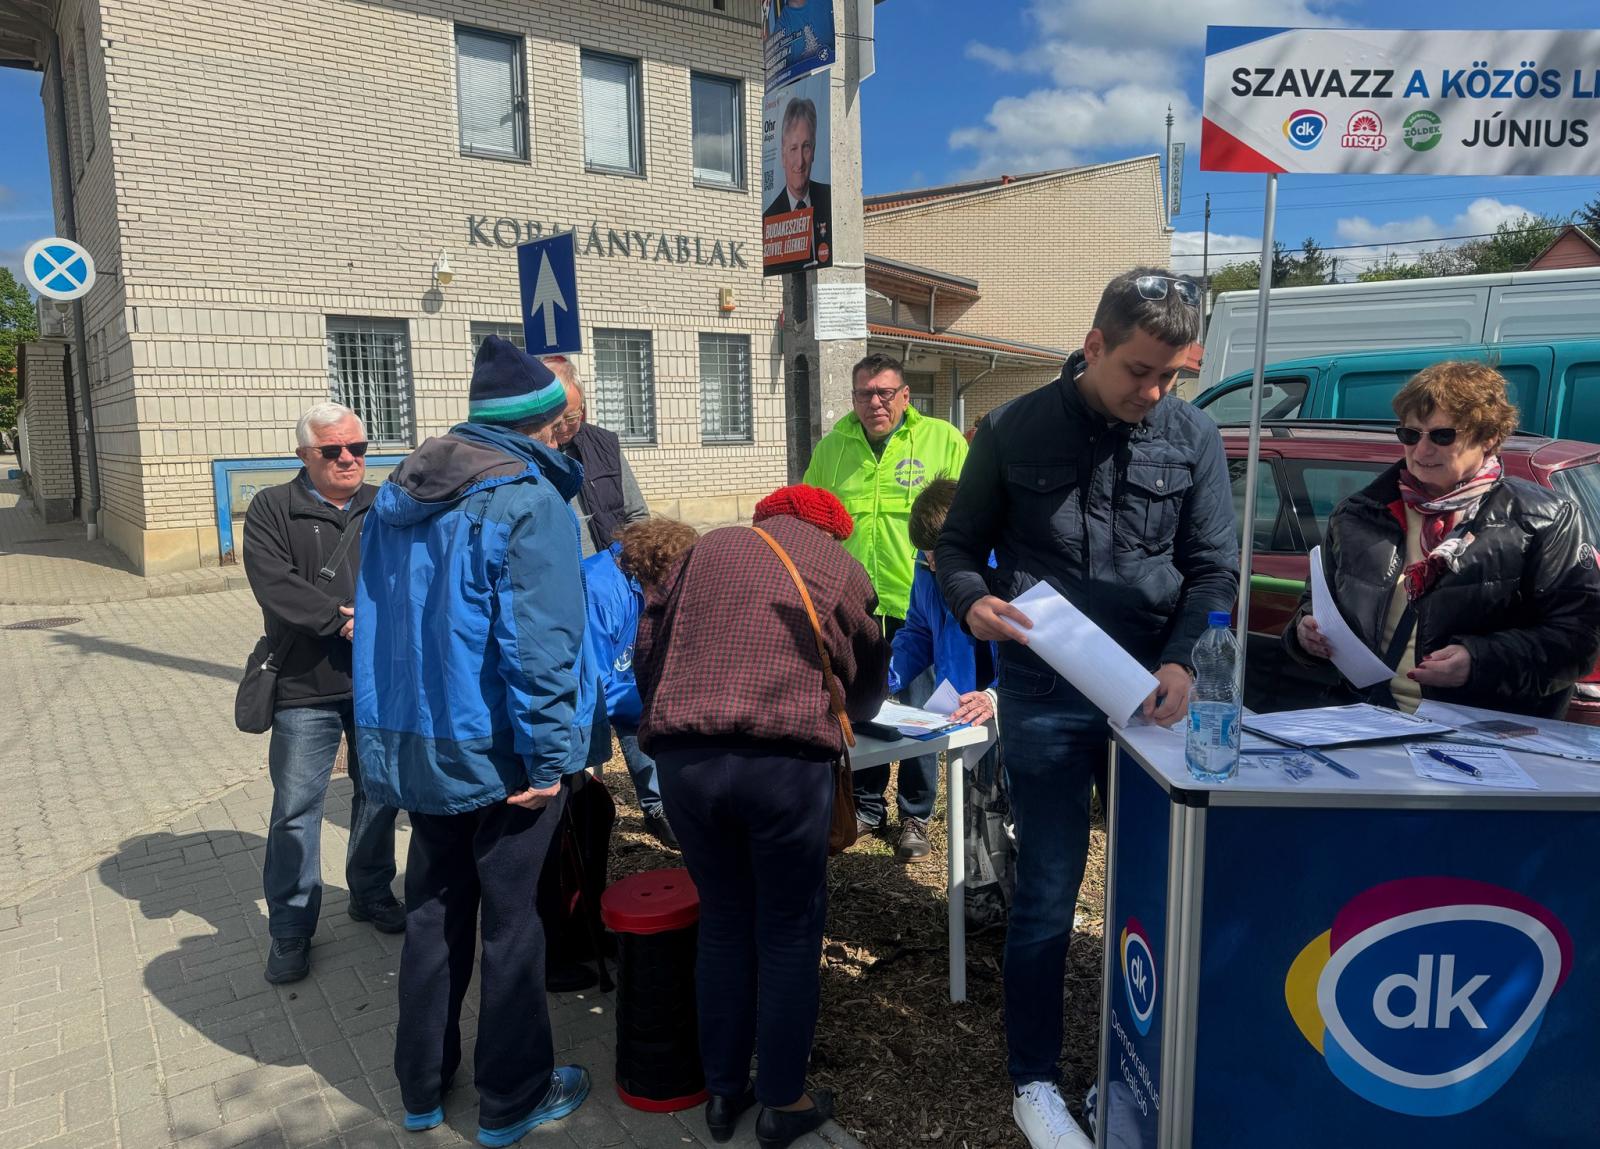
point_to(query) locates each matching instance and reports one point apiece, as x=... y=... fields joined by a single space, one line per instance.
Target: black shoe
x=569 y=978
x=288 y=960
x=865 y=829
x=661 y=830
x=913 y=845
x=722 y=1113
x=779 y=1128
x=386 y=917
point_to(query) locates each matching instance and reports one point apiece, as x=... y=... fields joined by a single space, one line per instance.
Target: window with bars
x=491 y=97
x=624 y=396
x=725 y=415
x=611 y=141
x=921 y=385
x=369 y=371
x=718 y=138
x=510 y=332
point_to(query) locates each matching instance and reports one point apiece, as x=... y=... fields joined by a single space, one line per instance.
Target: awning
x=959 y=342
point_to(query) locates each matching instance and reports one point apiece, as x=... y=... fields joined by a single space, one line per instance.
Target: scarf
x=1441 y=549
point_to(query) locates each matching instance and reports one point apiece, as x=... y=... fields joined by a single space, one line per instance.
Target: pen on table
x=1441 y=756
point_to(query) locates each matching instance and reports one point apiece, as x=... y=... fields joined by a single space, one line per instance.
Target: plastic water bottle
x=1212 y=747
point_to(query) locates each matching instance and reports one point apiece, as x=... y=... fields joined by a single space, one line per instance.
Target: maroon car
x=1307 y=469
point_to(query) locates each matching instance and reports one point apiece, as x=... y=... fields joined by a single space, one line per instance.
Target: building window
x=85 y=98
x=725 y=389
x=921 y=385
x=718 y=135
x=611 y=114
x=624 y=384
x=510 y=332
x=369 y=371
x=493 y=110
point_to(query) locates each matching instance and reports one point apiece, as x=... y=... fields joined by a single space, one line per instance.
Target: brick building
x=983 y=288
x=268 y=190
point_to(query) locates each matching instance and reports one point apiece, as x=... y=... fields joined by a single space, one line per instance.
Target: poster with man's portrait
x=796 y=196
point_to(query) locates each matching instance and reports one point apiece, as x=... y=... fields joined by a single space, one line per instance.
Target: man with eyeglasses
x=290 y=533
x=1116 y=493
x=877 y=459
x=610 y=498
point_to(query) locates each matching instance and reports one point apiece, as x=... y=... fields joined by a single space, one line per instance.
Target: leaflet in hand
x=1350 y=655
x=1083 y=654
x=1517 y=732
x=914 y=722
x=945 y=699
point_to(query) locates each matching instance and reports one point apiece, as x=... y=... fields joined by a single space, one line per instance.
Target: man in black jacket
x=1116 y=494
x=290 y=532
x=610 y=498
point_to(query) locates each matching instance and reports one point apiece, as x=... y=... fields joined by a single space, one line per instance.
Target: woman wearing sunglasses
x=1477 y=588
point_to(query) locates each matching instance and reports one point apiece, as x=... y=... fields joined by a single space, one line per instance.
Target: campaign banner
x=797 y=211
x=1325 y=100
x=797 y=38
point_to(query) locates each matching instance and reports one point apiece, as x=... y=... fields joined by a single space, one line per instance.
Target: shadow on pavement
x=89 y=644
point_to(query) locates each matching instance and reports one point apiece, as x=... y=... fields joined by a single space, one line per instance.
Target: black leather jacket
x=1525 y=603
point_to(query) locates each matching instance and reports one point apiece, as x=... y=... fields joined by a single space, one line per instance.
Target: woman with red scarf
x=1477 y=588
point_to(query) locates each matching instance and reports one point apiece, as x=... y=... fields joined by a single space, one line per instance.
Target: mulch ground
x=908 y=1067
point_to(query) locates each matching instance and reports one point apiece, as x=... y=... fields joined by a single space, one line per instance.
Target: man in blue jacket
x=472 y=704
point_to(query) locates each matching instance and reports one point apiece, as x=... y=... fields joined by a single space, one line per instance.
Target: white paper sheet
x=1350 y=654
x=944 y=700
x=1083 y=654
x=1548 y=736
x=912 y=721
x=1341 y=725
x=1497 y=769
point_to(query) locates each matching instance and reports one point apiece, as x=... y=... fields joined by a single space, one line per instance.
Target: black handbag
x=257 y=697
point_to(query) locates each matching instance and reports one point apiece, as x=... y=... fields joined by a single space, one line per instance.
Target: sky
x=970 y=88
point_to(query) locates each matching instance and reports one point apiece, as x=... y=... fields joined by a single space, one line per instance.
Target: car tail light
x=1589 y=685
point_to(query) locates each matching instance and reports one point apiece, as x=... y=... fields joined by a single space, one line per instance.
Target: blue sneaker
x=419 y=1122
x=569 y=1085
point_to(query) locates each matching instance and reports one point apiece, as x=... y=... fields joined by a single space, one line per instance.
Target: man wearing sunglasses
x=1116 y=493
x=291 y=532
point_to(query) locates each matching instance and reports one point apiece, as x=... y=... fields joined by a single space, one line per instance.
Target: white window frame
x=727 y=403
x=734 y=87
x=635 y=166
x=520 y=150
x=618 y=401
x=479 y=330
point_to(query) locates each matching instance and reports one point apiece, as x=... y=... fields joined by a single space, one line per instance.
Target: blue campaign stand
x=1386 y=961
x=547 y=270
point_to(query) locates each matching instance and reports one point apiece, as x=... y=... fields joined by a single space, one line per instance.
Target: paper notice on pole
x=841 y=311
x=1083 y=654
x=1350 y=654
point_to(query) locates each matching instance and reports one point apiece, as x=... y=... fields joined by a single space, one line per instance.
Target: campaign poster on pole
x=1376 y=102
x=797 y=216
x=797 y=38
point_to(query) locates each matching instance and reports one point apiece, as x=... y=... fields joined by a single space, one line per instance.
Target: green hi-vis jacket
x=878 y=493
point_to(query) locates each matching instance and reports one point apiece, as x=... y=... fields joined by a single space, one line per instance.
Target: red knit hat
x=814 y=505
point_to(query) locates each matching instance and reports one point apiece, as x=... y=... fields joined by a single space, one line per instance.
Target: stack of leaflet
x=927 y=721
x=1325 y=726
x=1516 y=732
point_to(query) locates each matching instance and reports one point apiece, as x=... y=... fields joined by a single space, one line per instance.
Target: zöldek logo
x=1427 y=993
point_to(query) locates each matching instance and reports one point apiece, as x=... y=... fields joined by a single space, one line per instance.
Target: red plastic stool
x=656 y=917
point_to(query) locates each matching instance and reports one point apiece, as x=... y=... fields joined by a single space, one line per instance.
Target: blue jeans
x=641 y=768
x=1055 y=750
x=305 y=742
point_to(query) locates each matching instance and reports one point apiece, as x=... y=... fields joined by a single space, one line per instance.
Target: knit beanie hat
x=814 y=505
x=511 y=388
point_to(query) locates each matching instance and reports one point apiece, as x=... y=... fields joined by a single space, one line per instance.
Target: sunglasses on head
x=1156 y=287
x=1410 y=436
x=332 y=451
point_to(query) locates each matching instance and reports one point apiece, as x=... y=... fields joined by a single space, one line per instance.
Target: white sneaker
x=1042 y=1116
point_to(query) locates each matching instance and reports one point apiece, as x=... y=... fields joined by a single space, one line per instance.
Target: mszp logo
x=1304 y=128
x=1139 y=974
x=1427 y=993
x=1365 y=131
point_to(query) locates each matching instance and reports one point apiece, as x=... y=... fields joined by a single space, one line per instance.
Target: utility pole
x=1205 y=266
x=1166 y=191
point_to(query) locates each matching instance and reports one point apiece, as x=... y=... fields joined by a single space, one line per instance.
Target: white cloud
x=1108 y=99
x=1224 y=249
x=1409 y=237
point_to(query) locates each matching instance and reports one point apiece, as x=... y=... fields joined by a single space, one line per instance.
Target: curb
x=175 y=585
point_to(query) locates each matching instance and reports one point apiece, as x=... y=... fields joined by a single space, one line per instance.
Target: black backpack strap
x=330 y=568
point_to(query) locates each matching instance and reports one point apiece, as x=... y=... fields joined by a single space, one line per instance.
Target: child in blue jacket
x=616 y=578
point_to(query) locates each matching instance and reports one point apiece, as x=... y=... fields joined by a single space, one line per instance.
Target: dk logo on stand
x=1427 y=993
x=1138 y=974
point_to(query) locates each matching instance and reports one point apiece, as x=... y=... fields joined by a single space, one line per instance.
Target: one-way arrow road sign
x=547 y=269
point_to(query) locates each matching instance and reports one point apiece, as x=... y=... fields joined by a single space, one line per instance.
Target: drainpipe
x=958 y=395
x=70 y=220
x=933 y=302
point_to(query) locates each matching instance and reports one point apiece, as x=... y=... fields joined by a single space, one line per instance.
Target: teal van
x=1556 y=385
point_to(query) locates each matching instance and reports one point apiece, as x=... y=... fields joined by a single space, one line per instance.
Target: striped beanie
x=511 y=388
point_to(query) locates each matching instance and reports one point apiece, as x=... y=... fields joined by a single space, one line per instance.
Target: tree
x=1588 y=217
x=19 y=323
x=1236 y=277
x=1514 y=244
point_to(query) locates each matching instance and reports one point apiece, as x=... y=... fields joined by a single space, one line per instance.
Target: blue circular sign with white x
x=59 y=268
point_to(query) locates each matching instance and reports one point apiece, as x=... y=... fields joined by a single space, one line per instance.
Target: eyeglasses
x=884 y=395
x=332 y=451
x=1410 y=436
x=1155 y=287
x=571 y=418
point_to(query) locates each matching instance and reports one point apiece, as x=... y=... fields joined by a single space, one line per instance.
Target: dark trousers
x=919 y=777
x=754 y=831
x=489 y=859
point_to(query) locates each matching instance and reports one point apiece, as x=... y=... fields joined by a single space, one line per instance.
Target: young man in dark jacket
x=290 y=532
x=1116 y=493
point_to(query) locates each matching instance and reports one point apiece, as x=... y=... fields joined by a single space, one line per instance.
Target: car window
x=1581 y=419
x=1370 y=394
x=1280 y=399
x=1319 y=485
x=1273 y=532
x=1581 y=484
